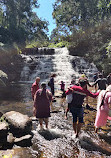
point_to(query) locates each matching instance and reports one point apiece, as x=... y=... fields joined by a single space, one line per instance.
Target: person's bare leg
x=46 y=122
x=75 y=127
x=96 y=129
x=41 y=123
x=86 y=100
x=66 y=113
x=79 y=125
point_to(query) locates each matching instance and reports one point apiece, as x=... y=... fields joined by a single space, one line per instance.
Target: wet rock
x=10 y=138
x=46 y=51
x=3 y=133
x=1 y=114
x=23 y=141
x=3 y=79
x=3 y=129
x=19 y=124
x=28 y=51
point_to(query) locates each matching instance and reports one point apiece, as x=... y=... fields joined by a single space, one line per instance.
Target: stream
x=58 y=141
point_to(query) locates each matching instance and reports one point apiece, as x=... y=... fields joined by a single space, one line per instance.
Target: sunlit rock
x=19 y=124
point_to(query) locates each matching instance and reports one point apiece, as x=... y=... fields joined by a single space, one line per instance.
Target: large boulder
x=3 y=133
x=19 y=124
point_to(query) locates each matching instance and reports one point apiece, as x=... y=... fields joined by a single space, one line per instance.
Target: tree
x=19 y=21
x=74 y=15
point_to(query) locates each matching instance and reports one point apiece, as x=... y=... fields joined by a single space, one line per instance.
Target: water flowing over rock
x=60 y=62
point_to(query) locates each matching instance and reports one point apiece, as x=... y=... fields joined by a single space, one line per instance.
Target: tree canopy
x=19 y=23
x=74 y=15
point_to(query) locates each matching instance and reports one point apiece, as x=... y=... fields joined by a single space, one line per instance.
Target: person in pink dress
x=35 y=86
x=103 y=108
x=42 y=101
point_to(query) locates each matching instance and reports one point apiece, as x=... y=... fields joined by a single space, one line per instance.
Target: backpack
x=49 y=84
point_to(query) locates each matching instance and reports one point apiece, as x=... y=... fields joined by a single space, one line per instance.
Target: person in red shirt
x=62 y=84
x=75 y=107
x=35 y=86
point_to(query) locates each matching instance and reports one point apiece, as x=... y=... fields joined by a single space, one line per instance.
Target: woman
x=42 y=100
x=103 y=109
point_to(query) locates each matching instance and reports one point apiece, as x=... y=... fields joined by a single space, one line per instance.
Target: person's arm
x=34 y=107
x=85 y=91
x=95 y=83
x=89 y=84
x=93 y=95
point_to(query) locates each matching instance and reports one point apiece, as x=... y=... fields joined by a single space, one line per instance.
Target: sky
x=45 y=12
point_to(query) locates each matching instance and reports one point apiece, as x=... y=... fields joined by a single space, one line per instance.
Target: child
x=63 y=99
x=62 y=84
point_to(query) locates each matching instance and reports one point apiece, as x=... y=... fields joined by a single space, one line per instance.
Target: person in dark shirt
x=51 y=83
x=102 y=82
x=79 y=93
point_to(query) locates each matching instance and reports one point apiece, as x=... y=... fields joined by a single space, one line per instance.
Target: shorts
x=77 y=113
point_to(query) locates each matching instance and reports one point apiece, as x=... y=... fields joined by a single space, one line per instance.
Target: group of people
x=43 y=97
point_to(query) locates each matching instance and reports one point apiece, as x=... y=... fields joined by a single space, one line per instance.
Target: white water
x=59 y=63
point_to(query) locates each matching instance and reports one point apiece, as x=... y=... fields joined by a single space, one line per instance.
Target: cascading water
x=64 y=65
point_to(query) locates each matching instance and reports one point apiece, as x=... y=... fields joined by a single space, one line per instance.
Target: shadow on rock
x=90 y=108
x=88 y=144
x=105 y=137
x=49 y=135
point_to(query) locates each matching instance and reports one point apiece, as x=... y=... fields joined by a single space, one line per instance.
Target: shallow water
x=58 y=141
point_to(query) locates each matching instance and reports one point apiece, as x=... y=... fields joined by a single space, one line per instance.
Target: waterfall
x=64 y=65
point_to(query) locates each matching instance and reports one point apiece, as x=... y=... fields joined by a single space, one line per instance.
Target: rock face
x=19 y=124
x=3 y=133
x=35 y=51
x=3 y=78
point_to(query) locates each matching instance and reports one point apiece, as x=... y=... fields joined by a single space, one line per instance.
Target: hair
x=53 y=75
x=43 y=85
x=100 y=75
x=37 y=78
x=83 y=83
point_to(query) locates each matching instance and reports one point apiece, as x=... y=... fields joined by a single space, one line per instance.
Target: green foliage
x=59 y=45
x=108 y=48
x=74 y=15
x=18 y=22
x=2 y=119
x=93 y=44
x=62 y=44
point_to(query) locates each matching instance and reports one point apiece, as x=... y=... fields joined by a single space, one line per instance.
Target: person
x=103 y=108
x=102 y=82
x=62 y=84
x=42 y=101
x=63 y=100
x=35 y=86
x=51 y=83
x=109 y=79
x=83 y=77
x=73 y=82
x=79 y=93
